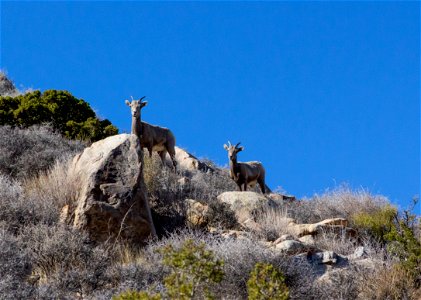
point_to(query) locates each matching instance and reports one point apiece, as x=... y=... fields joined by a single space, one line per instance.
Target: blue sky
x=321 y=92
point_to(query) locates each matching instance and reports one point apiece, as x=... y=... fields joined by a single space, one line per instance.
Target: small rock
x=360 y=252
x=283 y=237
x=183 y=181
x=291 y=247
x=196 y=213
x=307 y=239
x=327 y=258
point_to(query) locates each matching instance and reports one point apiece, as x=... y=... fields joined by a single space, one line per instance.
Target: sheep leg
x=150 y=150
x=162 y=155
x=172 y=155
x=262 y=186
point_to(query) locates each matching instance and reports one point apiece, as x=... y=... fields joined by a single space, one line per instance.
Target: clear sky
x=321 y=92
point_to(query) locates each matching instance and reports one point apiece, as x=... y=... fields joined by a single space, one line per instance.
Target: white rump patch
x=159 y=147
x=252 y=184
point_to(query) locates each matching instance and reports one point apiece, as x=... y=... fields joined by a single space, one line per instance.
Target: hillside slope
x=319 y=256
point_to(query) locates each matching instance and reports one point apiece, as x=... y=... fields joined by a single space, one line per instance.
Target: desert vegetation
x=72 y=117
x=45 y=259
x=342 y=244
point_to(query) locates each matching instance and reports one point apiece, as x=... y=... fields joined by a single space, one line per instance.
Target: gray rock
x=307 y=239
x=244 y=204
x=327 y=258
x=291 y=247
x=360 y=252
x=283 y=237
x=196 y=213
x=113 y=200
x=188 y=162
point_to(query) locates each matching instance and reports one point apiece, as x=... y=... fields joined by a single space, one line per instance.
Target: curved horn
x=237 y=144
x=229 y=143
x=132 y=98
x=142 y=98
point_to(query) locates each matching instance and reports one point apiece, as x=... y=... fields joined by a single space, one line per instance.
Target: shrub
x=26 y=152
x=15 y=267
x=240 y=256
x=18 y=211
x=135 y=295
x=387 y=282
x=397 y=232
x=266 y=282
x=221 y=215
x=192 y=270
x=72 y=117
x=168 y=191
x=65 y=261
x=377 y=223
x=57 y=187
x=273 y=222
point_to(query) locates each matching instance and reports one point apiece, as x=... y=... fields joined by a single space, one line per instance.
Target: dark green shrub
x=72 y=117
x=135 y=295
x=193 y=270
x=378 y=223
x=266 y=283
x=397 y=231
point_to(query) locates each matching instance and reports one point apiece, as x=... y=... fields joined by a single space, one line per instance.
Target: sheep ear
x=240 y=149
x=127 y=102
x=225 y=147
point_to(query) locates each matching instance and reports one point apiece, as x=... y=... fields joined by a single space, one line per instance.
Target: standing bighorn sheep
x=154 y=138
x=245 y=173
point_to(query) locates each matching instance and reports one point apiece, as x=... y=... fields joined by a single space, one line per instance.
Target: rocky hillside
x=7 y=88
x=103 y=221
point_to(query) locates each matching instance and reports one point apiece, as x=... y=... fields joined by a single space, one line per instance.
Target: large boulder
x=336 y=225
x=245 y=205
x=113 y=200
x=188 y=162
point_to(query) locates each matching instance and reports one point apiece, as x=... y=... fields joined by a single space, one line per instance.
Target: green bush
x=72 y=117
x=193 y=269
x=377 y=224
x=266 y=283
x=397 y=231
x=135 y=295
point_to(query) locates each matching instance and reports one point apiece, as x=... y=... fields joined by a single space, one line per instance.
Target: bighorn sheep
x=245 y=173
x=154 y=138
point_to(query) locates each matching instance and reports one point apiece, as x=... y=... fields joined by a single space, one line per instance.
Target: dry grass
x=340 y=202
x=58 y=186
x=338 y=243
x=273 y=222
x=387 y=282
x=26 y=152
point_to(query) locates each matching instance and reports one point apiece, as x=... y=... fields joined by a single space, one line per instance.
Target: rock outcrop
x=113 y=200
x=188 y=162
x=7 y=88
x=336 y=225
x=245 y=204
x=196 y=213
